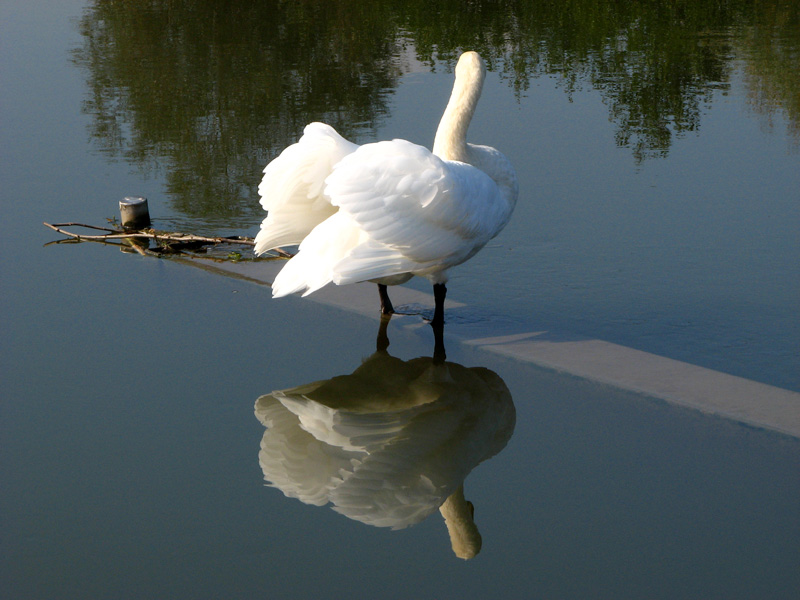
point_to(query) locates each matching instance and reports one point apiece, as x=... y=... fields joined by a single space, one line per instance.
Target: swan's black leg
x=382 y=343
x=386 y=304
x=439 y=293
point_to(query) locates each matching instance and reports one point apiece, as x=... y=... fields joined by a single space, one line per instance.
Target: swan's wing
x=293 y=185
x=417 y=209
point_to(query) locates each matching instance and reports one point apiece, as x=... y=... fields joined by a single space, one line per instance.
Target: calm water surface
x=658 y=163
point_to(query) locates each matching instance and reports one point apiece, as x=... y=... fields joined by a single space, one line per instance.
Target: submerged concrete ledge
x=672 y=380
x=681 y=383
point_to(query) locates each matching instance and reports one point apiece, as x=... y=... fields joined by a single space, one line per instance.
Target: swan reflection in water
x=390 y=443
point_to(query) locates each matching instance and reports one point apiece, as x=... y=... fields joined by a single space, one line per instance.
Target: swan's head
x=470 y=66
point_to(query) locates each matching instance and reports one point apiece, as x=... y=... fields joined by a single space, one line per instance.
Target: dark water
x=657 y=154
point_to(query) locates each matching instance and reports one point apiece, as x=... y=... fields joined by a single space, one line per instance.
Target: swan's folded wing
x=292 y=189
x=409 y=200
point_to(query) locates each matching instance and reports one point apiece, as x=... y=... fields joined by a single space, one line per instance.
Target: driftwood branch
x=160 y=237
x=145 y=233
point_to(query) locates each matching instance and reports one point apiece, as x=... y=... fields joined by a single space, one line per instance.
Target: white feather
x=292 y=188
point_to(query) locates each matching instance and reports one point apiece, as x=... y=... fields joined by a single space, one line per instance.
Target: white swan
x=386 y=211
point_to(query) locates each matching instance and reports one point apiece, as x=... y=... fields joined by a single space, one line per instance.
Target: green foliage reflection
x=209 y=91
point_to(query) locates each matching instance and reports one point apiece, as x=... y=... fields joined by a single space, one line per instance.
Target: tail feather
x=314 y=264
x=301 y=274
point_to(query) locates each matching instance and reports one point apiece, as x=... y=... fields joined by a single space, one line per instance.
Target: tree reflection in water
x=208 y=92
x=390 y=443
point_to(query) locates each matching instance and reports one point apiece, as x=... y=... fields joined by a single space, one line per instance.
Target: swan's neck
x=458 y=517
x=451 y=136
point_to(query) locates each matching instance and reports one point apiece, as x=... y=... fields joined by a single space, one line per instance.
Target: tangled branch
x=166 y=242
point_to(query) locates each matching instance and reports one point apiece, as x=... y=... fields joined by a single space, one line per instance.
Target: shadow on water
x=390 y=443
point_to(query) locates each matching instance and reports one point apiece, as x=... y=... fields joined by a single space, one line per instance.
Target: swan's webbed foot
x=386 y=304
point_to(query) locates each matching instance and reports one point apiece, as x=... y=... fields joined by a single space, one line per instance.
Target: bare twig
x=146 y=233
x=158 y=236
x=80 y=225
